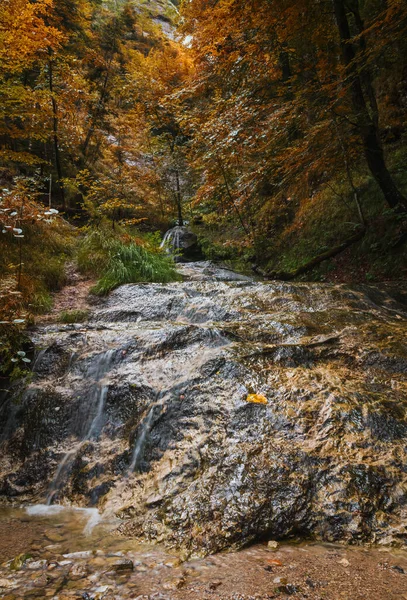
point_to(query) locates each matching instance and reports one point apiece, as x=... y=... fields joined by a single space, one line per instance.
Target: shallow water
x=66 y=553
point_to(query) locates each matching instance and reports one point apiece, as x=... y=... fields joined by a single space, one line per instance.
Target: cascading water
x=256 y=408
x=142 y=437
x=179 y=241
x=93 y=411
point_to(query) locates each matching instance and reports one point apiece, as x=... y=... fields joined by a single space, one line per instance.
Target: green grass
x=119 y=260
x=45 y=250
x=74 y=316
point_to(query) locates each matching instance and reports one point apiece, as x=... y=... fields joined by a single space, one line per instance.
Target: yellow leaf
x=257 y=399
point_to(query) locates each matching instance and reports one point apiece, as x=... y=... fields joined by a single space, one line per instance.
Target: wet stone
x=54 y=536
x=150 y=418
x=79 y=571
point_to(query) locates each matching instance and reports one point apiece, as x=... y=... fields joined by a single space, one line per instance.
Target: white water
x=142 y=437
x=99 y=392
x=171 y=240
x=91 y=515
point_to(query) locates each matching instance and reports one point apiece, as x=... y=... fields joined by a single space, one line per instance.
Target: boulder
x=181 y=241
x=212 y=413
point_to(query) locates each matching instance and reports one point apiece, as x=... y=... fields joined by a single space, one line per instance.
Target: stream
x=210 y=415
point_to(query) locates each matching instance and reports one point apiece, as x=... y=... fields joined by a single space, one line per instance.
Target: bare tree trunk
x=367 y=124
x=229 y=193
x=98 y=111
x=349 y=175
x=55 y=132
x=179 y=199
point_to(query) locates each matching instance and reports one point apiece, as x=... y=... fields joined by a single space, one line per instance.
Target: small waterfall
x=141 y=440
x=166 y=239
x=172 y=239
x=216 y=339
x=143 y=435
x=180 y=241
x=95 y=405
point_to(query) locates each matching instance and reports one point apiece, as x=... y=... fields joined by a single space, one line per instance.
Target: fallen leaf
x=274 y=562
x=257 y=399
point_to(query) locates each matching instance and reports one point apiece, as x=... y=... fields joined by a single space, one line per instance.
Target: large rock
x=181 y=241
x=208 y=414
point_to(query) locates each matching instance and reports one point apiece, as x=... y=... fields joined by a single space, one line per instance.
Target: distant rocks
x=183 y=242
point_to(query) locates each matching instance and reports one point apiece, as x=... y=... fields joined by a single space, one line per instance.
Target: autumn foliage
x=236 y=112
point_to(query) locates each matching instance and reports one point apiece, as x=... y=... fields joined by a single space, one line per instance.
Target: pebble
x=174 y=562
x=79 y=571
x=213 y=585
x=41 y=581
x=398 y=569
x=84 y=554
x=123 y=564
x=344 y=562
x=174 y=584
x=272 y=544
x=37 y=564
x=54 y=536
x=97 y=562
x=288 y=589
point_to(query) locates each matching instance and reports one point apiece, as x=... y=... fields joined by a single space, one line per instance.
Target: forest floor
x=74 y=296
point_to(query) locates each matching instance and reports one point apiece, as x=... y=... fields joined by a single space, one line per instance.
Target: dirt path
x=73 y=296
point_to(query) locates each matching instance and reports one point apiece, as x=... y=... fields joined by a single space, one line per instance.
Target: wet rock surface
x=218 y=411
x=182 y=240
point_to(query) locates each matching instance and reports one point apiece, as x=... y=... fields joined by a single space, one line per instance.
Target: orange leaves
x=256 y=399
x=24 y=35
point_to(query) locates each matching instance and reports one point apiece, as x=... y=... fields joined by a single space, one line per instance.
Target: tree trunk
x=317 y=260
x=98 y=111
x=55 y=133
x=367 y=125
x=179 y=199
x=229 y=193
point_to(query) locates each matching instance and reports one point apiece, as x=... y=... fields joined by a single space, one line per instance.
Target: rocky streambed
x=64 y=554
x=219 y=411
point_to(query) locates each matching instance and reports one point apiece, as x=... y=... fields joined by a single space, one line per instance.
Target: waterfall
x=141 y=439
x=95 y=404
x=166 y=239
x=180 y=241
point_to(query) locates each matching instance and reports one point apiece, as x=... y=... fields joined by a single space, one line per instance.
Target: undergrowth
x=119 y=258
x=74 y=316
x=288 y=235
x=44 y=250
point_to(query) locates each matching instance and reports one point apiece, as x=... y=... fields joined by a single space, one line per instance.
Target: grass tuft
x=122 y=260
x=74 y=316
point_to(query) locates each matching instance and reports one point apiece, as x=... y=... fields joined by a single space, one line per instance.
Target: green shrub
x=122 y=260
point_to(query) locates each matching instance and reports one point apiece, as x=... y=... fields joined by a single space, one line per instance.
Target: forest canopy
x=275 y=128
